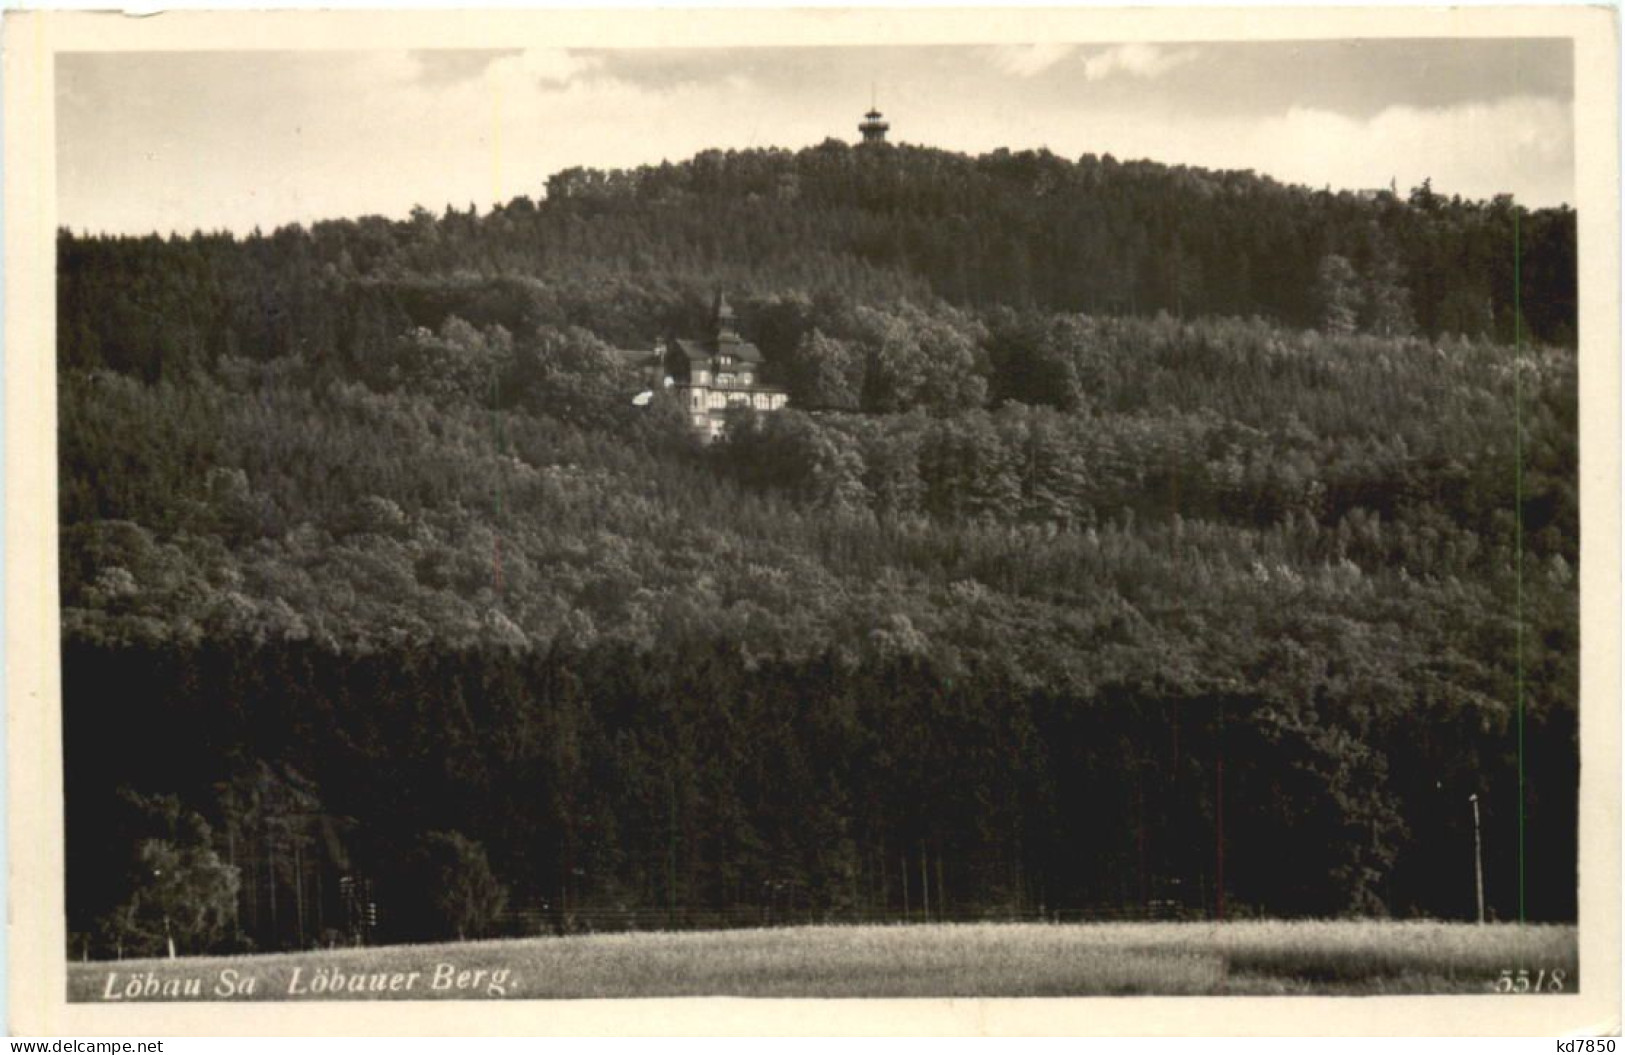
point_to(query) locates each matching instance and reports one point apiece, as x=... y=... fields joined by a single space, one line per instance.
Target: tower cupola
x=873 y=127
x=726 y=322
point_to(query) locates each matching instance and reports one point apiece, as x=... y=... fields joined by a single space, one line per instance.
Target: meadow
x=941 y=960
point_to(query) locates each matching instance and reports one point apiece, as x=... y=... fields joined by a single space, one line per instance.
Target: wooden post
x=1478 y=857
x=925 y=885
x=270 y=875
x=299 y=889
x=1218 y=879
x=671 y=855
x=1139 y=840
x=1218 y=810
x=251 y=888
x=231 y=859
x=885 y=882
x=563 y=910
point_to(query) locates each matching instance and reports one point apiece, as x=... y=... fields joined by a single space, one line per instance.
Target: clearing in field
x=968 y=960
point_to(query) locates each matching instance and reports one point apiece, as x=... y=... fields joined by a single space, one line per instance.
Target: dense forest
x=1139 y=541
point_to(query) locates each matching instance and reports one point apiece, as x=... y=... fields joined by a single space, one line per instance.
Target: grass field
x=944 y=960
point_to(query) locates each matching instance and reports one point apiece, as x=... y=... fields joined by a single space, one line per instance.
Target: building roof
x=698 y=350
x=636 y=358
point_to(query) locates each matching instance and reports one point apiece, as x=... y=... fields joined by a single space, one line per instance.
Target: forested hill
x=873 y=224
x=371 y=567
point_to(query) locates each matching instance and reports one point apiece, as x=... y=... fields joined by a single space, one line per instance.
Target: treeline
x=1222 y=420
x=678 y=782
x=629 y=254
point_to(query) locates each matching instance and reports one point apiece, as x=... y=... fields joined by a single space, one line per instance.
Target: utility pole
x=925 y=884
x=1218 y=818
x=671 y=855
x=1218 y=814
x=299 y=888
x=1478 y=856
x=501 y=450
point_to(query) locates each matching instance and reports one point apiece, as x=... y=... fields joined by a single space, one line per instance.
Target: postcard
x=813 y=521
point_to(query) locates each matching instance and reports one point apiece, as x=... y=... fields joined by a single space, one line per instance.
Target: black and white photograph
x=547 y=518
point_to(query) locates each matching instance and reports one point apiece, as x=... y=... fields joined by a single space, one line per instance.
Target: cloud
x=1476 y=149
x=1029 y=60
x=450 y=66
x=233 y=139
x=1523 y=145
x=543 y=67
x=1135 y=60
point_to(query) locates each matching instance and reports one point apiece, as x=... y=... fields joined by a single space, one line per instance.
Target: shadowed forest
x=1141 y=541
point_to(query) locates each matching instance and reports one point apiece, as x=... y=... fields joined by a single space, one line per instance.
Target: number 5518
x=1520 y=981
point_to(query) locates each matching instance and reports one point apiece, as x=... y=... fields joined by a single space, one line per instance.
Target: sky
x=183 y=141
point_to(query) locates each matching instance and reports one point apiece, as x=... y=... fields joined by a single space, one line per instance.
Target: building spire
x=725 y=319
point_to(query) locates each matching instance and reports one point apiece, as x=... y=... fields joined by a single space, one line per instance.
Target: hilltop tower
x=873 y=126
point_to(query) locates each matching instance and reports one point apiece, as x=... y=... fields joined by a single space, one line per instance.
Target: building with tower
x=720 y=371
x=712 y=374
